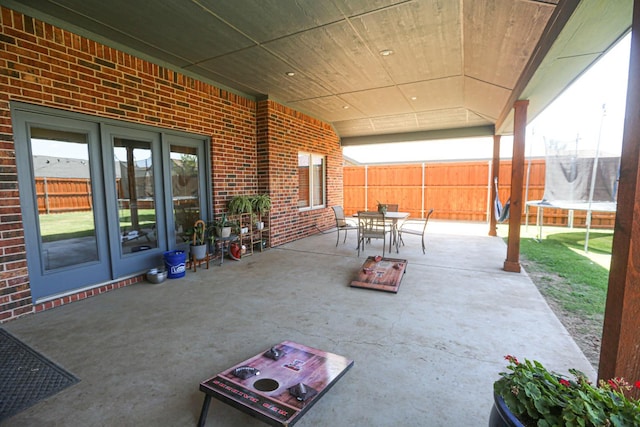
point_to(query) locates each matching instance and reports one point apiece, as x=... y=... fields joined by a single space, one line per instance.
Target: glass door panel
x=61 y=186
x=135 y=189
x=185 y=187
x=64 y=198
x=133 y=175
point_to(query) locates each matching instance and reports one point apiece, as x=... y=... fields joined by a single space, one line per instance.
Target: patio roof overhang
x=394 y=70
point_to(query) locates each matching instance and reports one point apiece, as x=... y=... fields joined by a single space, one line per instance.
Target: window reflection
x=62 y=173
x=311 y=180
x=318 y=180
x=303 y=180
x=185 y=187
x=136 y=195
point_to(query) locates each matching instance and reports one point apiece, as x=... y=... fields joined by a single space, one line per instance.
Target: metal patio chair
x=405 y=228
x=372 y=225
x=342 y=224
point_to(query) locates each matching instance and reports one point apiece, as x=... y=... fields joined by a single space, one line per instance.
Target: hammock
x=501 y=212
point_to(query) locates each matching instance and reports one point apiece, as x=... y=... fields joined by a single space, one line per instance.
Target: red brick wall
x=45 y=65
x=282 y=133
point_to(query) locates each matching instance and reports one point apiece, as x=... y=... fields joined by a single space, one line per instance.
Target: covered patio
x=251 y=98
x=427 y=355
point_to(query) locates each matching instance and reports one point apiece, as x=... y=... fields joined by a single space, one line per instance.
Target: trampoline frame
x=588 y=207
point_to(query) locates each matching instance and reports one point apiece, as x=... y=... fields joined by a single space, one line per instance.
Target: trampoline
x=577 y=180
x=609 y=207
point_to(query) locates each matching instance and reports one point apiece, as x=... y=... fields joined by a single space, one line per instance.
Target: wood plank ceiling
x=453 y=66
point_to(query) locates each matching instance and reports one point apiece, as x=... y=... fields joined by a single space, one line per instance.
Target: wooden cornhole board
x=383 y=275
x=267 y=396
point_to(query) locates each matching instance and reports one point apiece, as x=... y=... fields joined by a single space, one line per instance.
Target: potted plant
x=261 y=203
x=382 y=208
x=530 y=395
x=239 y=205
x=198 y=240
x=259 y=224
x=221 y=227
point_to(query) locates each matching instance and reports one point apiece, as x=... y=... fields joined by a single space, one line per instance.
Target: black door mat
x=26 y=376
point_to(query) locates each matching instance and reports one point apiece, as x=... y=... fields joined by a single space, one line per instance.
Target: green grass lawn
x=54 y=227
x=576 y=280
x=69 y=225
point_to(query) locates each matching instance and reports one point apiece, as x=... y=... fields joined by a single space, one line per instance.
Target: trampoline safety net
x=569 y=174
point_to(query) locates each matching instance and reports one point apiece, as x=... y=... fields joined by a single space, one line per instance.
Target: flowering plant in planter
x=541 y=398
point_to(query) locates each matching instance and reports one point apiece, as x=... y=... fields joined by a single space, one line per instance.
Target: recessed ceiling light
x=413 y=98
x=290 y=73
x=386 y=52
x=346 y=107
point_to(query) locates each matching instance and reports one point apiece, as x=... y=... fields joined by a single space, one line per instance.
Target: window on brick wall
x=311 y=181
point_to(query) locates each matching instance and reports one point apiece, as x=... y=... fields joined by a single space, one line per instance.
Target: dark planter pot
x=501 y=416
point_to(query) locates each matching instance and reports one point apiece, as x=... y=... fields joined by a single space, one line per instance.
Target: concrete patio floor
x=426 y=356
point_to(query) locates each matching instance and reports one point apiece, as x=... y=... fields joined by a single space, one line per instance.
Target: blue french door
x=59 y=166
x=135 y=216
x=102 y=200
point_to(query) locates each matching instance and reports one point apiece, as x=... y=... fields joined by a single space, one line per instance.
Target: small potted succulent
x=530 y=395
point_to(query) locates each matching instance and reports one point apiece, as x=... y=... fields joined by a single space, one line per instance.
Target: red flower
x=637 y=384
x=612 y=384
x=564 y=382
x=511 y=359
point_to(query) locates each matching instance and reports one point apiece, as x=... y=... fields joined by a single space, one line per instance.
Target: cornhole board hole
x=381 y=274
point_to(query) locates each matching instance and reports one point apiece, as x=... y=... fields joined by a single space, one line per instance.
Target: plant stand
x=245 y=235
x=195 y=262
x=260 y=236
x=198 y=250
x=224 y=243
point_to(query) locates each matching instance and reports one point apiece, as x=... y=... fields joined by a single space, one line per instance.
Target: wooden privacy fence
x=56 y=195
x=456 y=191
